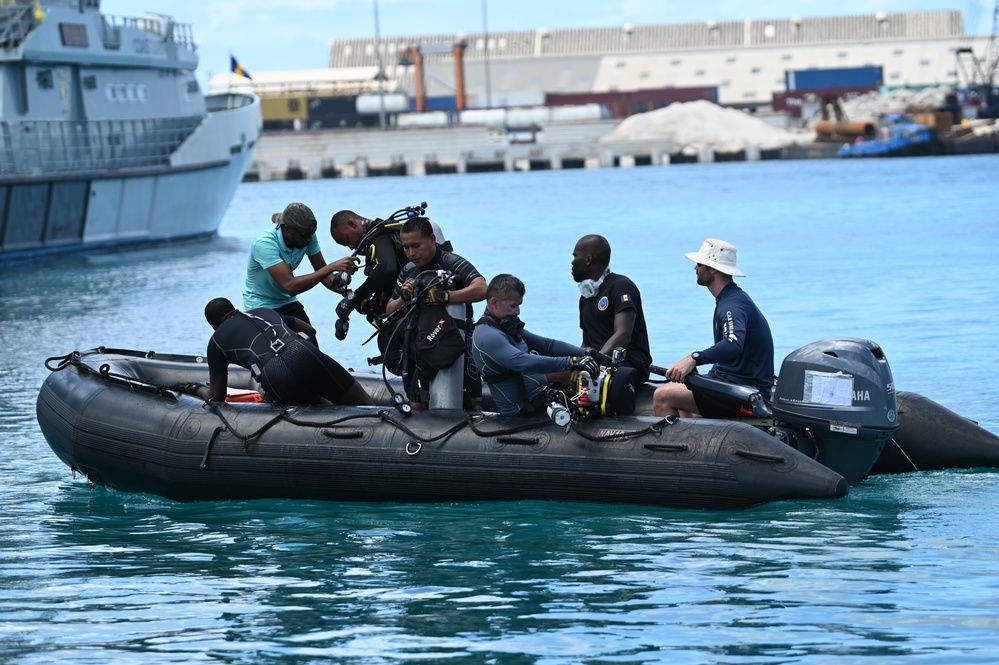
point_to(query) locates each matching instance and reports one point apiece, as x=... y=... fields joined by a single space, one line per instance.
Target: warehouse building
x=735 y=63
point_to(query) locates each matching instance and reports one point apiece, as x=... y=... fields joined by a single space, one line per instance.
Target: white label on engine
x=843 y=429
x=828 y=388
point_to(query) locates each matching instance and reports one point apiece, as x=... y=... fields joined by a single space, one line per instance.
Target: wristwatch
x=696 y=355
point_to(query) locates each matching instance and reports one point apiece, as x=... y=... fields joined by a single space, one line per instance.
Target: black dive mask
x=512 y=325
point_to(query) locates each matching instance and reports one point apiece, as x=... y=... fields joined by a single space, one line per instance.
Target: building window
x=699 y=72
x=786 y=56
x=730 y=58
x=749 y=94
x=897 y=51
x=755 y=70
x=676 y=62
x=643 y=75
x=924 y=63
x=841 y=54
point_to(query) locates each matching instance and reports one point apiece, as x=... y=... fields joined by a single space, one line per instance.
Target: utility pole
x=485 y=31
x=381 y=70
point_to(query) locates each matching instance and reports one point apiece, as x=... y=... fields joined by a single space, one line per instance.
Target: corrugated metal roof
x=659 y=38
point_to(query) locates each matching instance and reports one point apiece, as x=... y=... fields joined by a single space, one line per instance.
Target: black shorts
x=295 y=309
x=302 y=374
x=712 y=406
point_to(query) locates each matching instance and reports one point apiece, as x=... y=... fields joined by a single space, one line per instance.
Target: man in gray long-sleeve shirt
x=517 y=364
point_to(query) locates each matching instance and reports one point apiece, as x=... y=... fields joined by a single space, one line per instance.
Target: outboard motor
x=835 y=401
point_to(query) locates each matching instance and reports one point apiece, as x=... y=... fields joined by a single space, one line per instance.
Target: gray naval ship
x=106 y=138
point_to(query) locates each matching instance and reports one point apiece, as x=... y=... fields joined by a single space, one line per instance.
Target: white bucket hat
x=717 y=254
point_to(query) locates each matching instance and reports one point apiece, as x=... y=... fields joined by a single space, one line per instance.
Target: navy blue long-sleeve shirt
x=743 y=352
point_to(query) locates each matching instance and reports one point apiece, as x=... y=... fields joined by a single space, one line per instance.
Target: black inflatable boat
x=122 y=419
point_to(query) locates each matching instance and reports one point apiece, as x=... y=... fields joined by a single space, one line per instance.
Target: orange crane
x=413 y=55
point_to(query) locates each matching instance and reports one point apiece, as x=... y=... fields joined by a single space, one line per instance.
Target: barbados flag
x=237 y=68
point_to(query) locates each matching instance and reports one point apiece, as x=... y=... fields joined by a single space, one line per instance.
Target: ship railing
x=37 y=147
x=16 y=21
x=163 y=27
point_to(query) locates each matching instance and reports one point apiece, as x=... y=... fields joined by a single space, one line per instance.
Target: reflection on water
x=559 y=580
x=903 y=568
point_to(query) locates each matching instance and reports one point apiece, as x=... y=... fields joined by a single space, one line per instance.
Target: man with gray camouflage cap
x=277 y=251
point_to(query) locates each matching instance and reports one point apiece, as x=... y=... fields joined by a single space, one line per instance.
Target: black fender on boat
x=932 y=437
x=135 y=438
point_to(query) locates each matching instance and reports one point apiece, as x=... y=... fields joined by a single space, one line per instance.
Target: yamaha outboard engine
x=835 y=401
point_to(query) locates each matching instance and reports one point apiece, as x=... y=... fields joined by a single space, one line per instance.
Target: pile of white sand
x=874 y=104
x=695 y=125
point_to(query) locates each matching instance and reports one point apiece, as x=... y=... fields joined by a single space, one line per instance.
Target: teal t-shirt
x=268 y=250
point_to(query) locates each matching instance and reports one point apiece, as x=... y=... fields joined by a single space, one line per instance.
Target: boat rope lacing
x=75 y=359
x=414 y=446
x=655 y=428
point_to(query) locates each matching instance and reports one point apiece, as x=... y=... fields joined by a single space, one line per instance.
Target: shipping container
x=439 y=103
x=623 y=104
x=870 y=76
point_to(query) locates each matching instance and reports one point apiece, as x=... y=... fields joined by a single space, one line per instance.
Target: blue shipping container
x=870 y=76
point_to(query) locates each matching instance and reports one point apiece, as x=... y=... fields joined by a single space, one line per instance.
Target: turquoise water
x=905 y=569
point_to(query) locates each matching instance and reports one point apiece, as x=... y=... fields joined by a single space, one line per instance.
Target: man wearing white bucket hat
x=743 y=352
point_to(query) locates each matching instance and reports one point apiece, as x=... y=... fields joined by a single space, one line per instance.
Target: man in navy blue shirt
x=743 y=352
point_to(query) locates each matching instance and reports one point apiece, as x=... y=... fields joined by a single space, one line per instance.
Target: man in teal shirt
x=276 y=252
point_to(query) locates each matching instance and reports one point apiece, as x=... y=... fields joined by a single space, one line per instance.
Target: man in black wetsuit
x=383 y=257
x=468 y=286
x=743 y=352
x=381 y=247
x=290 y=369
x=610 y=307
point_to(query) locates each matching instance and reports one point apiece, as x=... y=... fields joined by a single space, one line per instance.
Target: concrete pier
x=426 y=151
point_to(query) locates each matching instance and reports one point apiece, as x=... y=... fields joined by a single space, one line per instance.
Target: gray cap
x=297 y=216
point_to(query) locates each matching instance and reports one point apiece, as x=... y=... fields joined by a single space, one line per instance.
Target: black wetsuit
x=381 y=269
x=464 y=272
x=290 y=369
x=617 y=293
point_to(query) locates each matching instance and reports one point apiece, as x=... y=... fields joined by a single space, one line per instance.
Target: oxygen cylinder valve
x=559 y=414
x=339 y=279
